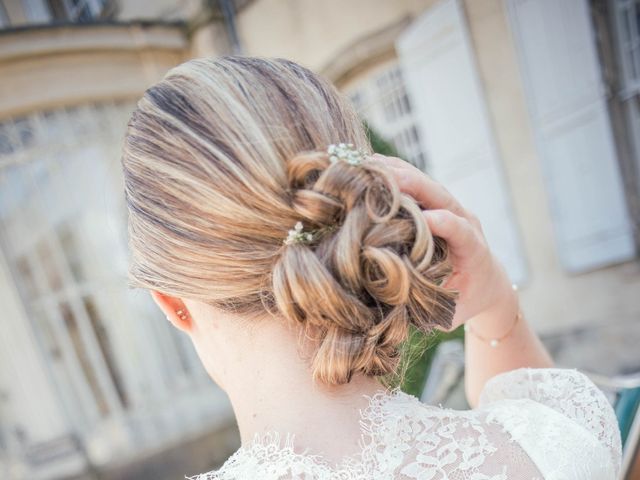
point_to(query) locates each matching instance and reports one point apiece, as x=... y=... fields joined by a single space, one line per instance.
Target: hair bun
x=357 y=288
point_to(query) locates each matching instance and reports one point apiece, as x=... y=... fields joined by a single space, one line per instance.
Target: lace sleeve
x=567 y=391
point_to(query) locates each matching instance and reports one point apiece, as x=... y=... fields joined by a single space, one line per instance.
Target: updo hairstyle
x=223 y=157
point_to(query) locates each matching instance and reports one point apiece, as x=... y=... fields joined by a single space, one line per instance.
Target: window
x=63 y=233
x=625 y=105
x=4 y=18
x=36 y=11
x=395 y=102
x=76 y=10
x=382 y=101
x=46 y=11
x=573 y=132
x=628 y=30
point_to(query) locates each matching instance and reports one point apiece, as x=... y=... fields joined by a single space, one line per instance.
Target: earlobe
x=174 y=309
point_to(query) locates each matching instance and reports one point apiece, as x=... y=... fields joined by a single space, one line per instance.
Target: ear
x=174 y=309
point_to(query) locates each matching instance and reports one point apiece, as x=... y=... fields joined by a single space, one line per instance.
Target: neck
x=272 y=390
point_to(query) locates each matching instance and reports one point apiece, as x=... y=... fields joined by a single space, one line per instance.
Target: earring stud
x=181 y=314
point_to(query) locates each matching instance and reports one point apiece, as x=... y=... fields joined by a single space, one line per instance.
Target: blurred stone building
x=527 y=110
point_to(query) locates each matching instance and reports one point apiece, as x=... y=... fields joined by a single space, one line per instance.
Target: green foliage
x=378 y=143
x=418 y=353
x=418 y=350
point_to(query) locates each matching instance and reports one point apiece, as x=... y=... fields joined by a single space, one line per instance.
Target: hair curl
x=357 y=289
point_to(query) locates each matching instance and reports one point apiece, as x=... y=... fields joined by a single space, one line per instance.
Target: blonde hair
x=222 y=157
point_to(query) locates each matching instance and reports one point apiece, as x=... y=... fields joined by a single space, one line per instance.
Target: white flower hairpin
x=297 y=235
x=346 y=152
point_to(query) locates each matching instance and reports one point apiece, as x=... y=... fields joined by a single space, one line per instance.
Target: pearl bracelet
x=494 y=342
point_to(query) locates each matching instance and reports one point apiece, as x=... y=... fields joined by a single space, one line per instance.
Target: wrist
x=495 y=324
x=495 y=289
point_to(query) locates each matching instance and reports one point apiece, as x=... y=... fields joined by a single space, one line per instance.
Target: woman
x=297 y=267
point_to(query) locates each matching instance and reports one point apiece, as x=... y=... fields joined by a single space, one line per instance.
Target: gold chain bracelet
x=494 y=342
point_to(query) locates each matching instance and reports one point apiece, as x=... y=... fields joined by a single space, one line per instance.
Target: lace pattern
x=524 y=417
x=568 y=392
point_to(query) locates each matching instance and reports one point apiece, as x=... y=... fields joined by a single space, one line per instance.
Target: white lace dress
x=551 y=424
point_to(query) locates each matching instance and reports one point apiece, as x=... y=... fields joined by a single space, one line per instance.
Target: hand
x=478 y=276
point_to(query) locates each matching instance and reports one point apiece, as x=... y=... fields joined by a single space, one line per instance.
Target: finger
x=456 y=230
x=426 y=191
x=388 y=160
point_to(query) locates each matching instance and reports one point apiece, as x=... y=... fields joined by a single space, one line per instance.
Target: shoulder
x=556 y=400
x=547 y=383
x=567 y=391
x=415 y=440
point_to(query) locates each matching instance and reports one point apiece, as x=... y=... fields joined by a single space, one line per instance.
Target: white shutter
x=566 y=97
x=441 y=79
